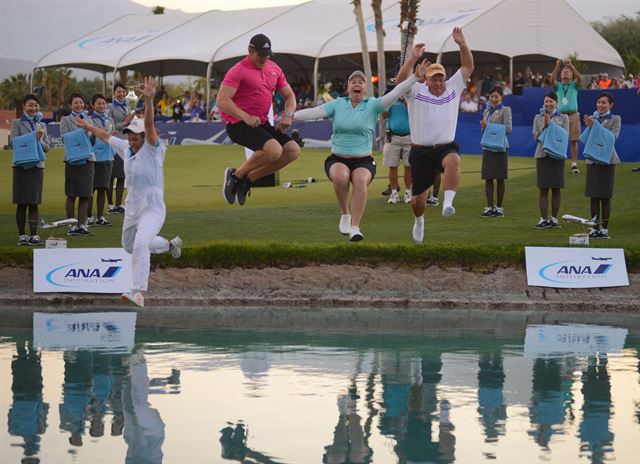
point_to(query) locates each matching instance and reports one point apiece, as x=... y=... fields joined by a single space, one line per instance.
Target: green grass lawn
x=196 y=209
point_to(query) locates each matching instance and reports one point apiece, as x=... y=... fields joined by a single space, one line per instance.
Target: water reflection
x=445 y=398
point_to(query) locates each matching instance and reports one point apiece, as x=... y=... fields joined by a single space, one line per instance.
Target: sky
x=591 y=10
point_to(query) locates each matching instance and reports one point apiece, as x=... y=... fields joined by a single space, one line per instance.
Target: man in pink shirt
x=244 y=98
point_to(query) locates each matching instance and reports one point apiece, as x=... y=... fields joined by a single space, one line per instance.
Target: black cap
x=261 y=44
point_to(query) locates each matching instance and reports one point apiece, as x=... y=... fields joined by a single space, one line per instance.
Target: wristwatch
x=288 y=114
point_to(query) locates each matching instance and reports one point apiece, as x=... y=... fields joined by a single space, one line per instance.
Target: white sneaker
x=407 y=196
x=394 y=197
x=175 y=247
x=418 y=229
x=135 y=297
x=345 y=224
x=355 y=235
x=448 y=211
x=91 y=220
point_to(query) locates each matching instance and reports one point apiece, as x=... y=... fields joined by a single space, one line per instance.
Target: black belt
x=400 y=135
x=431 y=147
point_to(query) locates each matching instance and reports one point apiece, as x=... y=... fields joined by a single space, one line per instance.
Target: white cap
x=136 y=126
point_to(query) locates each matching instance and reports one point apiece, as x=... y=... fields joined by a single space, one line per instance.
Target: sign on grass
x=82 y=270
x=576 y=267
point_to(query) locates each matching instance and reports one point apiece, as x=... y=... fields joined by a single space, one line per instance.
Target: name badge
x=565 y=101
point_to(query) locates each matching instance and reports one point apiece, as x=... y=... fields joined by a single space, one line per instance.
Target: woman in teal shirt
x=354 y=120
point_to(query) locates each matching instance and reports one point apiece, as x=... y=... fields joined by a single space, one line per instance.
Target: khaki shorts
x=574 y=126
x=396 y=150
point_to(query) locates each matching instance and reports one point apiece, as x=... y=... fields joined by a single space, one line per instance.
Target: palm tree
x=408 y=28
x=382 y=68
x=12 y=89
x=357 y=9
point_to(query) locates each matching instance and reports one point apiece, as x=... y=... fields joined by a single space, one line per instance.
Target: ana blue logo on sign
x=84 y=274
x=566 y=271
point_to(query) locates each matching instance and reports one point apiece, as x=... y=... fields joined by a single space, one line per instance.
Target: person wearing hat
x=143 y=155
x=354 y=119
x=244 y=98
x=433 y=118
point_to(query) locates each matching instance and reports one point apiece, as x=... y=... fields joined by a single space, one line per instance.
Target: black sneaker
x=487 y=213
x=119 y=209
x=604 y=234
x=243 y=190
x=102 y=222
x=542 y=224
x=387 y=192
x=35 y=240
x=84 y=231
x=23 y=240
x=498 y=211
x=553 y=223
x=230 y=185
x=594 y=233
x=73 y=230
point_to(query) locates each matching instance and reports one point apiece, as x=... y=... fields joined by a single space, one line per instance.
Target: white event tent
x=302 y=35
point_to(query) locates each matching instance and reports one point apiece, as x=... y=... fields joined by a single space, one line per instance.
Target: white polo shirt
x=433 y=120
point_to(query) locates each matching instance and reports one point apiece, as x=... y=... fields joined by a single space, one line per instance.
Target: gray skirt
x=495 y=165
x=102 y=175
x=550 y=172
x=27 y=186
x=599 y=183
x=78 y=180
x=118 y=168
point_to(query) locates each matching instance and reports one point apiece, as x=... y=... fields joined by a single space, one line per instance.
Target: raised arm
x=150 y=133
x=309 y=114
x=407 y=68
x=405 y=86
x=466 y=58
x=576 y=74
x=554 y=73
x=98 y=132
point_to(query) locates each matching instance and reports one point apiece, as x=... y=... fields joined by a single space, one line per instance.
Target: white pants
x=140 y=238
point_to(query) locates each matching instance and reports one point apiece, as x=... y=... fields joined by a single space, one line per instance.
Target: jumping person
x=567 y=91
x=27 y=182
x=354 y=120
x=121 y=117
x=145 y=211
x=600 y=177
x=78 y=178
x=433 y=118
x=550 y=171
x=104 y=161
x=495 y=163
x=244 y=98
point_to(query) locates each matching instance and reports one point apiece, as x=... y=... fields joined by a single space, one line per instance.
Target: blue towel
x=103 y=151
x=77 y=147
x=599 y=143
x=494 y=137
x=27 y=151
x=555 y=141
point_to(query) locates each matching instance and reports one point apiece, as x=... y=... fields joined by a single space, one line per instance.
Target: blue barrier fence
x=524 y=109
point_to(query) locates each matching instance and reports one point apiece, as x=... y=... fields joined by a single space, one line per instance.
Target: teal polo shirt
x=354 y=129
x=567 y=96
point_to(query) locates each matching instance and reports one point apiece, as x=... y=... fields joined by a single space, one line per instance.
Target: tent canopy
x=190 y=44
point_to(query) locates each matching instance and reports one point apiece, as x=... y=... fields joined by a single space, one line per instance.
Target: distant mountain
x=29 y=29
x=9 y=67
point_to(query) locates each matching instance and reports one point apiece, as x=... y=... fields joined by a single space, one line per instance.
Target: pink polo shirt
x=254 y=88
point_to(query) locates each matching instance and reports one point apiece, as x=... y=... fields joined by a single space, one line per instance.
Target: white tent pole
x=207 y=106
x=113 y=81
x=33 y=72
x=316 y=65
x=511 y=72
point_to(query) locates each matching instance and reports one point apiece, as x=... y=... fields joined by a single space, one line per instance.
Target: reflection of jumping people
x=433 y=117
x=143 y=156
x=349 y=446
x=354 y=121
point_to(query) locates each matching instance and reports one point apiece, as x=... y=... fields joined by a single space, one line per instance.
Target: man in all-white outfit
x=145 y=211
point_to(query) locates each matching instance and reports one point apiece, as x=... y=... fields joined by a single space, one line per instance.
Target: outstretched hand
x=458 y=36
x=418 y=50
x=421 y=71
x=82 y=123
x=149 y=90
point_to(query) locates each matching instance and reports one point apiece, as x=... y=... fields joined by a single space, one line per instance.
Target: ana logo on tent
x=568 y=271
x=83 y=274
x=105 y=42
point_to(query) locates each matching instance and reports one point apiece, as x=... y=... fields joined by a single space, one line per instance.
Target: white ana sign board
x=572 y=339
x=576 y=267
x=82 y=270
x=107 y=332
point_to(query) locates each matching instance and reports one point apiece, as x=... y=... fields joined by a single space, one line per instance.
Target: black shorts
x=254 y=138
x=426 y=163
x=366 y=162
